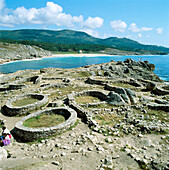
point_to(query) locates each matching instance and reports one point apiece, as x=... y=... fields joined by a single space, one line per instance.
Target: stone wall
x=82 y=113
x=26 y=134
x=11 y=110
x=136 y=85
x=101 y=95
x=161 y=90
x=156 y=106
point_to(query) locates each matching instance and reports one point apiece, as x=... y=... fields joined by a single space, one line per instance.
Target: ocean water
x=161 y=63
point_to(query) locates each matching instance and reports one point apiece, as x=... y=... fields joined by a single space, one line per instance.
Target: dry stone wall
x=27 y=134
x=11 y=110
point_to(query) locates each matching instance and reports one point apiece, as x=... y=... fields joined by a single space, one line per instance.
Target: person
x=5 y=138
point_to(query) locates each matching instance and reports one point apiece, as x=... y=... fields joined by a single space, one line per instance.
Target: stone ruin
x=27 y=134
x=10 y=110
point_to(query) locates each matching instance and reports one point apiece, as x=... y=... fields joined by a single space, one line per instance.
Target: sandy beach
x=77 y=55
x=56 y=55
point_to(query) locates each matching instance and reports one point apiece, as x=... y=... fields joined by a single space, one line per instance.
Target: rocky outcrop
x=129 y=69
x=127 y=96
x=115 y=99
x=10 y=52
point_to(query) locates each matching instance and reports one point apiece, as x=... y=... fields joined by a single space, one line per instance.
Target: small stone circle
x=162 y=90
x=11 y=110
x=26 y=134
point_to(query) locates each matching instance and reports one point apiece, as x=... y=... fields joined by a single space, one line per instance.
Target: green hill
x=77 y=37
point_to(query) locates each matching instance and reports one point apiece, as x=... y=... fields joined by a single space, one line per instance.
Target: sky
x=146 y=21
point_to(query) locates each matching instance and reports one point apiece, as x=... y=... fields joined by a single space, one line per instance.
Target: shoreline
x=68 y=55
x=71 y=55
x=57 y=55
x=77 y=55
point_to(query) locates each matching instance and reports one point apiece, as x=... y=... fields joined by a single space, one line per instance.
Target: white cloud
x=93 y=22
x=139 y=35
x=2 y=4
x=52 y=14
x=91 y=32
x=159 y=30
x=134 y=28
x=118 y=25
x=146 y=29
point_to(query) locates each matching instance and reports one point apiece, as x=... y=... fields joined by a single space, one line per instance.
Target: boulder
x=122 y=93
x=132 y=95
x=115 y=99
x=99 y=73
x=151 y=86
x=92 y=73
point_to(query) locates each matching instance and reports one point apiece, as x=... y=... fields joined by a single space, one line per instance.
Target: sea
x=161 y=63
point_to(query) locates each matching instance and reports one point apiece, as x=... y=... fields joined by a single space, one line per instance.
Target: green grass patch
x=67 y=90
x=24 y=101
x=107 y=119
x=81 y=74
x=44 y=120
x=124 y=85
x=99 y=106
x=87 y=99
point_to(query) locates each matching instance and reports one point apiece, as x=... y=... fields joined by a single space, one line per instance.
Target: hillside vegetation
x=68 y=40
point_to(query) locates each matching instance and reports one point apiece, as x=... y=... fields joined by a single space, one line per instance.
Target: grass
x=44 y=120
x=124 y=85
x=100 y=106
x=67 y=90
x=81 y=74
x=107 y=119
x=87 y=99
x=40 y=139
x=24 y=101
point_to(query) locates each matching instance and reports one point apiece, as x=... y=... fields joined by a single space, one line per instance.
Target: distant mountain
x=77 y=37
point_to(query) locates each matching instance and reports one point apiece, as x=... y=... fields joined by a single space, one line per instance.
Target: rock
x=90 y=148
x=115 y=99
x=3 y=154
x=108 y=161
x=92 y=73
x=115 y=156
x=108 y=74
x=55 y=163
x=99 y=148
x=99 y=73
x=150 y=86
x=132 y=95
x=109 y=140
x=122 y=93
x=20 y=52
x=57 y=145
x=63 y=154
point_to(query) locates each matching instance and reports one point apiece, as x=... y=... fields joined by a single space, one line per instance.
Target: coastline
x=66 y=55
x=56 y=55
x=77 y=55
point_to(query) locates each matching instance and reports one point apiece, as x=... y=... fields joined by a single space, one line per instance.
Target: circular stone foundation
x=162 y=90
x=11 y=110
x=26 y=134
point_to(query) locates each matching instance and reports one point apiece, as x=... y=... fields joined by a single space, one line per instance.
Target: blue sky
x=146 y=21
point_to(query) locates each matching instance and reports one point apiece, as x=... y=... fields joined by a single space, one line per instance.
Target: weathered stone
x=115 y=99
